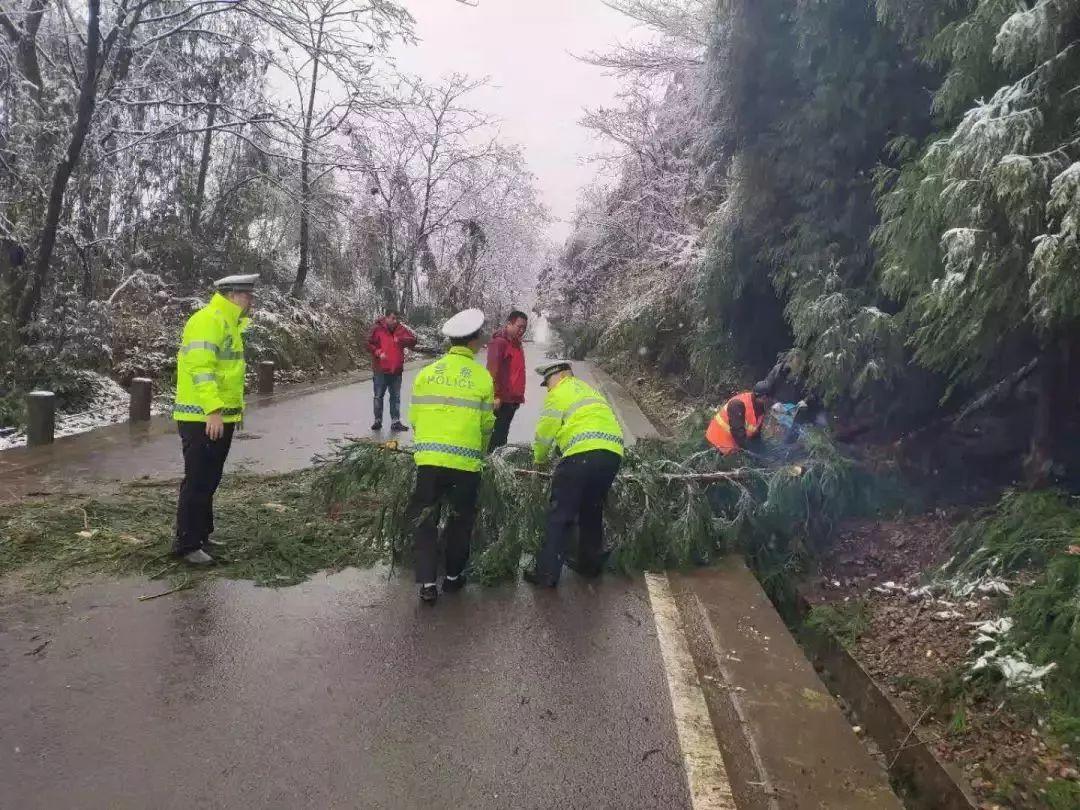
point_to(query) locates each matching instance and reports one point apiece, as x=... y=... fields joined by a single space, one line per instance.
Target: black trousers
x=579 y=487
x=503 y=417
x=457 y=490
x=204 y=461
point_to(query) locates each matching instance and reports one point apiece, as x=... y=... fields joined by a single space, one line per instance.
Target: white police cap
x=243 y=283
x=464 y=324
x=552 y=367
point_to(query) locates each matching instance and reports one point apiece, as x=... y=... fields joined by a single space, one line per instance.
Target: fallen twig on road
x=911 y=732
x=166 y=569
x=153 y=484
x=39 y=648
x=181 y=587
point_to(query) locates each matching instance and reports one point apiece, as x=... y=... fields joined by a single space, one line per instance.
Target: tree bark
x=305 y=172
x=204 y=160
x=31 y=296
x=86 y=233
x=1056 y=363
x=25 y=41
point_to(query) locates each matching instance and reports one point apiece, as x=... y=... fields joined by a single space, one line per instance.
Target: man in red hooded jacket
x=506 y=363
x=388 y=342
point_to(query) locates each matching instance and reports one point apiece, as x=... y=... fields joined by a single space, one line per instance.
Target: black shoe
x=453 y=585
x=428 y=594
x=377 y=426
x=591 y=569
x=398 y=427
x=533 y=578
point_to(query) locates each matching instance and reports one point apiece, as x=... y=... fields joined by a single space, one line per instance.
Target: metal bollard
x=40 y=417
x=266 y=377
x=139 y=405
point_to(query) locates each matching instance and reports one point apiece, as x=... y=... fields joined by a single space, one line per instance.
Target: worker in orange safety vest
x=739 y=421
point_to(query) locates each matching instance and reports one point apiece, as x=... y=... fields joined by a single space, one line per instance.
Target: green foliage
x=306 y=336
x=12 y=409
x=1047 y=617
x=1062 y=794
x=820 y=98
x=60 y=347
x=1031 y=533
x=271 y=533
x=577 y=338
x=1023 y=530
x=347 y=480
x=890 y=186
x=847 y=621
x=977 y=239
x=673 y=505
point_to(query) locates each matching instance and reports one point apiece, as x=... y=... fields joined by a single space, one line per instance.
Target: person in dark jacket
x=506 y=364
x=786 y=383
x=388 y=342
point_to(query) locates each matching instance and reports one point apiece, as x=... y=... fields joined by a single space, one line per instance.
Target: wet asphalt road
x=280 y=435
x=343 y=692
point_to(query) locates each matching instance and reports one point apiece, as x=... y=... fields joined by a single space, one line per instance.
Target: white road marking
x=705 y=771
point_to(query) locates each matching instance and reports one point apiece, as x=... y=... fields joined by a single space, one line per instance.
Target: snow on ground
x=109 y=406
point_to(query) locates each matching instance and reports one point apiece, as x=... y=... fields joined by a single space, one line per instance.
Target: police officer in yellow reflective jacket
x=209 y=404
x=578 y=423
x=453 y=413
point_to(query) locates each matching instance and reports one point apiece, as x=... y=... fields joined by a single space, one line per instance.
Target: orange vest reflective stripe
x=719 y=431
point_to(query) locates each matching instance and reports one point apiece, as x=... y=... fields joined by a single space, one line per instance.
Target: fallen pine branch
x=738 y=474
x=1000 y=390
x=674 y=504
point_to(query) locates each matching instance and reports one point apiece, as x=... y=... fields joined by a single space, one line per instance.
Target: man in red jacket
x=506 y=362
x=388 y=342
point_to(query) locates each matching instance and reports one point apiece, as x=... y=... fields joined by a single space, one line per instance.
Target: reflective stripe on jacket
x=210 y=364
x=452 y=412
x=576 y=419
x=719 y=431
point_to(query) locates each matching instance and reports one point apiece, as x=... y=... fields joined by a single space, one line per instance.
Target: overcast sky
x=538 y=88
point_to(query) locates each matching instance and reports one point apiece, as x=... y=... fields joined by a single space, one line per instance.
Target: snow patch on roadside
x=995 y=654
x=108 y=406
x=992 y=650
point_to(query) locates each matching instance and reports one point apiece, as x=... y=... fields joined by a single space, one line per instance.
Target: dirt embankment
x=919 y=647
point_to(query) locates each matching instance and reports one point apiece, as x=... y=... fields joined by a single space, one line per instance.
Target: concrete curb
x=633 y=419
x=927 y=782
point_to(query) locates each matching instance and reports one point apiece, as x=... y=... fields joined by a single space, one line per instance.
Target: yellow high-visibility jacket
x=210 y=366
x=452 y=412
x=576 y=419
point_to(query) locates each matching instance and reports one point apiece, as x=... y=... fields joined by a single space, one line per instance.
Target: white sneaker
x=210 y=541
x=198 y=557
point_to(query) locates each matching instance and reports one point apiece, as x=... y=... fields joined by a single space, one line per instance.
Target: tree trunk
x=86 y=233
x=389 y=277
x=305 y=173
x=204 y=160
x=1051 y=417
x=31 y=296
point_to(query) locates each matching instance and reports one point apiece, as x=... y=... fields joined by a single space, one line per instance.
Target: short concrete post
x=266 y=377
x=40 y=417
x=141 y=395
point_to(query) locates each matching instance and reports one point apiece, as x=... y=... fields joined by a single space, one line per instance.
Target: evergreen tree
x=808 y=95
x=978 y=234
